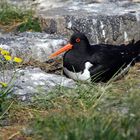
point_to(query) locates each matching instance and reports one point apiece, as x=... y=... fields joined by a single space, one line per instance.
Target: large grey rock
x=30 y=81
x=112 y=21
x=37 y=46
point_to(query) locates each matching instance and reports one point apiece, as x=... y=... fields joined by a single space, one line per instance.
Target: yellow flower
x=17 y=59
x=4 y=52
x=3 y=84
x=7 y=57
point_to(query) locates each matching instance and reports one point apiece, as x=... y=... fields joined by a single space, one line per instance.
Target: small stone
x=27 y=131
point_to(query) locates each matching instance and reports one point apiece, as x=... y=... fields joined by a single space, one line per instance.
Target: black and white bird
x=100 y=62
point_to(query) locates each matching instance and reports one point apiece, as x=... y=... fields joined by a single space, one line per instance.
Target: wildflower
x=3 y=84
x=7 y=57
x=4 y=52
x=17 y=60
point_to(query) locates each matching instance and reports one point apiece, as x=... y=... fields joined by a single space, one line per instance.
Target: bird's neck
x=83 y=48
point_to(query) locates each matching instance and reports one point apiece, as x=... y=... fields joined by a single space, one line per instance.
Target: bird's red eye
x=78 y=40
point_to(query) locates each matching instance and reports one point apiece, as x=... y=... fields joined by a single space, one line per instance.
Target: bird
x=96 y=63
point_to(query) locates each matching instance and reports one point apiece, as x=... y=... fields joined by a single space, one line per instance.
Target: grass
x=90 y=111
x=93 y=113
x=15 y=18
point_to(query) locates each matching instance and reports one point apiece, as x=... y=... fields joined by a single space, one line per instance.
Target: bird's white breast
x=82 y=76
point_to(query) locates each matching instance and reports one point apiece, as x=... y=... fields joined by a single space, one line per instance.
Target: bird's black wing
x=108 y=59
x=106 y=63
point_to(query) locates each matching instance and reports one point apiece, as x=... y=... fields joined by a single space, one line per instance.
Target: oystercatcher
x=100 y=62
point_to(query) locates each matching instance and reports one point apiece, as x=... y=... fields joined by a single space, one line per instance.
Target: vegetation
x=90 y=111
x=13 y=18
x=6 y=62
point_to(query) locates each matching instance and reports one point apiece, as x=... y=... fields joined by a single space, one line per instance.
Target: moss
x=12 y=17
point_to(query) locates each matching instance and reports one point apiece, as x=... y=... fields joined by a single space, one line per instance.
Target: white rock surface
x=37 y=46
x=31 y=81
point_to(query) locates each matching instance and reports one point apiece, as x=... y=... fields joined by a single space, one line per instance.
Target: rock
x=108 y=21
x=103 y=21
x=30 y=81
x=135 y=0
x=23 y=4
x=27 y=45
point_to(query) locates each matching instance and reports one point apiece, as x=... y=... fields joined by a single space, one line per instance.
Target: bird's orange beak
x=64 y=49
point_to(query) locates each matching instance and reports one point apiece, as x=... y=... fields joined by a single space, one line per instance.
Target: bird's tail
x=137 y=42
x=137 y=47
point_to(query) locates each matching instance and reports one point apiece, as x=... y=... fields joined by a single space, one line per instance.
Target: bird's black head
x=78 y=41
x=79 y=38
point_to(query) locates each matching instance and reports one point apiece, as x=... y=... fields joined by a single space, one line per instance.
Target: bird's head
x=77 y=41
